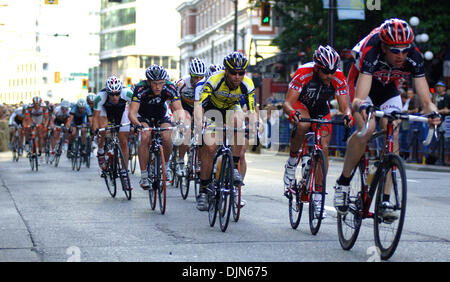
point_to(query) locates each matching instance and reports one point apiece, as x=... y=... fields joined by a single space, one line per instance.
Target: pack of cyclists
x=223 y=92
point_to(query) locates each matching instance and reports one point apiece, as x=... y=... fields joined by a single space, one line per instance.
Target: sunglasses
x=233 y=72
x=327 y=71
x=114 y=93
x=395 y=50
x=197 y=76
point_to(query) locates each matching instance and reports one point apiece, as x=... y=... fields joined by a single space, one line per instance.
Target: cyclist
x=383 y=58
x=149 y=102
x=80 y=114
x=186 y=87
x=222 y=92
x=310 y=89
x=15 y=123
x=111 y=107
x=36 y=114
x=59 y=118
x=90 y=100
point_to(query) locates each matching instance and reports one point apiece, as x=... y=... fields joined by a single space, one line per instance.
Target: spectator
x=442 y=99
x=446 y=66
x=413 y=102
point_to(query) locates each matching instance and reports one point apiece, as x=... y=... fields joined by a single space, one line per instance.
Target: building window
x=156 y=60
x=165 y=62
x=119 y=17
x=118 y=39
x=173 y=64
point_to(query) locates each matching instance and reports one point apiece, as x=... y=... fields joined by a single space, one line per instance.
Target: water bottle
x=306 y=163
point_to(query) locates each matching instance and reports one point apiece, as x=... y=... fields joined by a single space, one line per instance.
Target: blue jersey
x=80 y=117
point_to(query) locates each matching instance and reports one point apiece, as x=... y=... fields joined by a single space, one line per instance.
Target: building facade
x=207 y=32
x=134 y=34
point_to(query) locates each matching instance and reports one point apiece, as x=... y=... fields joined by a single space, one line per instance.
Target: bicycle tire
x=318 y=165
x=236 y=205
x=162 y=187
x=80 y=157
x=295 y=205
x=108 y=175
x=120 y=169
x=349 y=225
x=393 y=165
x=133 y=154
x=74 y=153
x=152 y=172
x=213 y=194
x=225 y=187
x=88 y=151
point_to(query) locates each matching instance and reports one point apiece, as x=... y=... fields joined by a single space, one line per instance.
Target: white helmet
x=81 y=103
x=114 y=84
x=197 y=67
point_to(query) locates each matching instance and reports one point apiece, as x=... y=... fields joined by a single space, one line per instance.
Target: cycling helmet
x=37 y=100
x=113 y=84
x=235 y=61
x=212 y=69
x=81 y=103
x=197 y=67
x=90 y=97
x=396 y=32
x=326 y=58
x=156 y=72
x=65 y=104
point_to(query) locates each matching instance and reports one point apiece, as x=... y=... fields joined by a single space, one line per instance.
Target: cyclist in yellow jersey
x=222 y=92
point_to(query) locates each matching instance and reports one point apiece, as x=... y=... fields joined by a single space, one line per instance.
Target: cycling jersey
x=113 y=111
x=217 y=93
x=370 y=59
x=60 y=116
x=314 y=95
x=17 y=117
x=186 y=93
x=151 y=105
x=37 y=115
x=80 y=118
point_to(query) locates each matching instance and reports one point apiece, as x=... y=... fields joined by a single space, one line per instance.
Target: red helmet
x=396 y=32
x=37 y=100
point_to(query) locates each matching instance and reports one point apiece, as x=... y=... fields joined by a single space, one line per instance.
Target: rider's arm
x=178 y=112
x=425 y=98
x=132 y=115
x=291 y=97
x=95 y=120
x=363 y=86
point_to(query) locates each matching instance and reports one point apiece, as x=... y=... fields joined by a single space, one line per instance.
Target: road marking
x=412 y=180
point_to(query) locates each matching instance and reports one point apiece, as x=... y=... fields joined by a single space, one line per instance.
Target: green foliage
x=305 y=24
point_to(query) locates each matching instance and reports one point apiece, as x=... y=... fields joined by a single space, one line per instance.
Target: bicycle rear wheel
x=388 y=231
x=123 y=172
x=349 y=225
x=225 y=187
x=318 y=169
x=132 y=145
x=213 y=192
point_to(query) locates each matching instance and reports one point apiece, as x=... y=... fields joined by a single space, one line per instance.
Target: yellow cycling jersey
x=222 y=97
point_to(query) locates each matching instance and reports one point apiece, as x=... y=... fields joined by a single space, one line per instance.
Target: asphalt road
x=58 y=215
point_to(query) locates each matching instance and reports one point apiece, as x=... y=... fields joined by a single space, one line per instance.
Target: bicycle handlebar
x=112 y=127
x=395 y=116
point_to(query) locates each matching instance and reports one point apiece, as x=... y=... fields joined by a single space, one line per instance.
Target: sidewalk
x=15 y=240
x=411 y=166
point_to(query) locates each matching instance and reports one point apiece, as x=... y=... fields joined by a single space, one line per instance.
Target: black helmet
x=235 y=61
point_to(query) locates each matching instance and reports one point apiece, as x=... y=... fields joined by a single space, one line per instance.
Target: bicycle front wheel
x=162 y=196
x=225 y=186
x=153 y=176
x=123 y=173
x=317 y=197
x=388 y=228
x=348 y=225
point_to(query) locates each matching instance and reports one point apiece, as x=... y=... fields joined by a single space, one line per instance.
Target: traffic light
x=51 y=2
x=57 y=77
x=129 y=82
x=85 y=84
x=265 y=13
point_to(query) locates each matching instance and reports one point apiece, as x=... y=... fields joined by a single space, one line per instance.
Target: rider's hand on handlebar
x=294 y=116
x=434 y=119
x=349 y=121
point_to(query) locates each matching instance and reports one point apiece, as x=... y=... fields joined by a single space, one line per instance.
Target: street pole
x=235 y=24
x=331 y=23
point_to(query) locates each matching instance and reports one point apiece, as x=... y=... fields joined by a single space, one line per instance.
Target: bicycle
x=304 y=188
x=60 y=144
x=16 y=144
x=116 y=163
x=223 y=195
x=192 y=170
x=32 y=154
x=156 y=167
x=390 y=176
x=77 y=154
x=133 y=145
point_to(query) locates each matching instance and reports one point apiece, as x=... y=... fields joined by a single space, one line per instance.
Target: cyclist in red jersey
x=310 y=89
x=383 y=58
